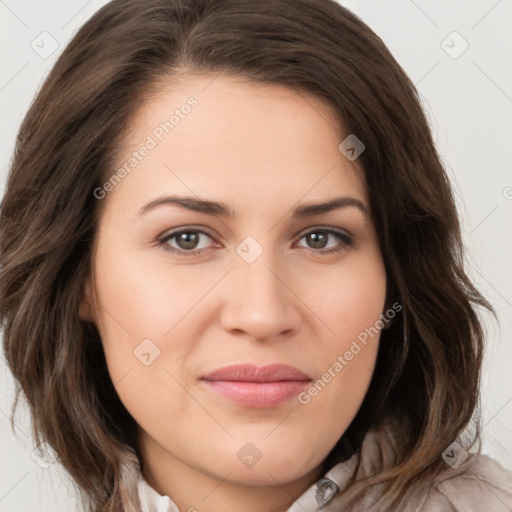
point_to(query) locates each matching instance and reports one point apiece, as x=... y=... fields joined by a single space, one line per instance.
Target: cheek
x=345 y=370
x=352 y=309
x=354 y=300
x=145 y=318
x=139 y=298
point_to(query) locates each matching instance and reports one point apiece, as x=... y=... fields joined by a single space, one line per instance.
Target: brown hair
x=67 y=145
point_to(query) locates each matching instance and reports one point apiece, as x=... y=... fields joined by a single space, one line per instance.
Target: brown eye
x=186 y=241
x=318 y=239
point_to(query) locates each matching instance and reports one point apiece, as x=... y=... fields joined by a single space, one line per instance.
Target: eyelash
x=346 y=240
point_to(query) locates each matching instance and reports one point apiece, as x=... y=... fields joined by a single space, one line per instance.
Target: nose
x=260 y=301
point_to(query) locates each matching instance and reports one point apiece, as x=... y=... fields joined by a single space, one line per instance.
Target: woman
x=231 y=269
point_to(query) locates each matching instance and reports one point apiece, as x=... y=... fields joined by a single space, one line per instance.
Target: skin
x=262 y=150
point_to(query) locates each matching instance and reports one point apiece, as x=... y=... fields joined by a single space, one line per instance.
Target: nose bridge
x=262 y=281
x=264 y=292
x=260 y=302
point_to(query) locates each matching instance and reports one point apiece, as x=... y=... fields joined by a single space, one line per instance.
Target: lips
x=251 y=373
x=258 y=387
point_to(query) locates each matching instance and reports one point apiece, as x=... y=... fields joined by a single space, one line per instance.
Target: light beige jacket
x=478 y=484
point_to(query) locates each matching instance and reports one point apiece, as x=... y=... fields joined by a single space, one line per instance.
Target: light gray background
x=468 y=100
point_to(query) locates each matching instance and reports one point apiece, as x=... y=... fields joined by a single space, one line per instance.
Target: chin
x=263 y=463
x=268 y=473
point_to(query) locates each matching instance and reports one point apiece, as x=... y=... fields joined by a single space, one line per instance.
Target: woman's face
x=182 y=292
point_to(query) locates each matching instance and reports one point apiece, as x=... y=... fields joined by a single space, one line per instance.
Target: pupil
x=319 y=239
x=188 y=239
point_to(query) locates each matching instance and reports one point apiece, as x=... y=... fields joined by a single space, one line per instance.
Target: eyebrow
x=223 y=210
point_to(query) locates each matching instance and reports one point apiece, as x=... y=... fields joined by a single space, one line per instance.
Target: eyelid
x=174 y=231
x=319 y=227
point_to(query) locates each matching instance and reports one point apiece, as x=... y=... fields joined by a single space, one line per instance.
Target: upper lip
x=253 y=373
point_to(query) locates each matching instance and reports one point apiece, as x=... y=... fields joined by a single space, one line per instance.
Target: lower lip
x=257 y=394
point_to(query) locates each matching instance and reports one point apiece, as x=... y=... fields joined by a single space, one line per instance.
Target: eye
x=318 y=238
x=185 y=241
x=192 y=241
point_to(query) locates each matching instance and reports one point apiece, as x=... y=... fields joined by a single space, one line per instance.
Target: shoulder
x=484 y=485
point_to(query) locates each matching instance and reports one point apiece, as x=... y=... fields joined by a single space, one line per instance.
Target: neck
x=195 y=490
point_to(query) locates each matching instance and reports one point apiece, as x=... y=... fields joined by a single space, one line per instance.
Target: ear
x=387 y=321
x=86 y=310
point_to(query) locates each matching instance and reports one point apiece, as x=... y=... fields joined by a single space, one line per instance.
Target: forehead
x=226 y=136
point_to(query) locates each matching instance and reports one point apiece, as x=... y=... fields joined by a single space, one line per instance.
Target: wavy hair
x=66 y=147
